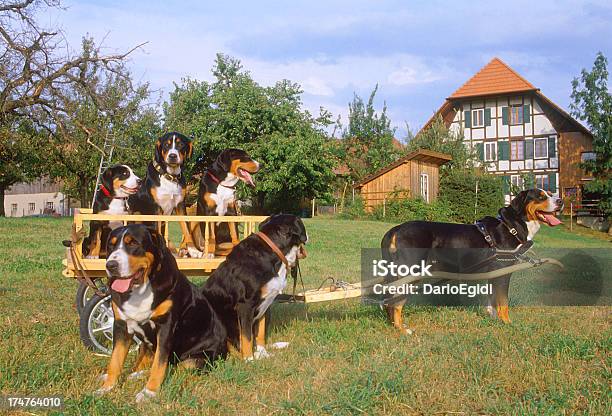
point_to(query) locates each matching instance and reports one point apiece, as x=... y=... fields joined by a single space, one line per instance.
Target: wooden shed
x=414 y=175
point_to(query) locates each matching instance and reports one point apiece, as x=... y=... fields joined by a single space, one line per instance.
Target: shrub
x=401 y=210
x=353 y=209
x=458 y=191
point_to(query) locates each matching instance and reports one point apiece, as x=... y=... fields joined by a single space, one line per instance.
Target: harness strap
x=483 y=230
x=82 y=274
x=274 y=248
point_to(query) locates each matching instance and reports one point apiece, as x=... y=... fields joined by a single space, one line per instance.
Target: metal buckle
x=513 y=231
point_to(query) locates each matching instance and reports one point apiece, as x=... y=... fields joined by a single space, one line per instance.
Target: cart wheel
x=96 y=325
x=83 y=294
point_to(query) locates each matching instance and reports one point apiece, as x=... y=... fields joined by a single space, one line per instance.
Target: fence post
x=313 y=207
x=384 y=206
x=571 y=215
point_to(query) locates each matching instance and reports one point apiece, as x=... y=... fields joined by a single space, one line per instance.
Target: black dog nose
x=112 y=265
x=138 y=181
x=173 y=156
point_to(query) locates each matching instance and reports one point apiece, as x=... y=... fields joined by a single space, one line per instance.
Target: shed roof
x=423 y=155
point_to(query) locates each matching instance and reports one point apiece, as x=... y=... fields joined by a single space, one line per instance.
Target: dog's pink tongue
x=121 y=285
x=247 y=177
x=552 y=220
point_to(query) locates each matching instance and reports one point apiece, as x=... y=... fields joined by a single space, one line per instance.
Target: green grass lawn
x=343 y=358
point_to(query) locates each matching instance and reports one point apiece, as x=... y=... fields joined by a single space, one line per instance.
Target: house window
x=31 y=207
x=425 y=187
x=49 y=206
x=517 y=150
x=540 y=148
x=517 y=183
x=13 y=210
x=542 y=182
x=586 y=156
x=478 y=118
x=490 y=151
x=516 y=114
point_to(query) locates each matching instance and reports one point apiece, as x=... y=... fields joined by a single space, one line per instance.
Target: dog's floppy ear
x=224 y=160
x=189 y=149
x=107 y=180
x=518 y=203
x=298 y=230
x=158 y=149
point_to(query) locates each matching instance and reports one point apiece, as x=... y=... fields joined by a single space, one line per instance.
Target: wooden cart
x=96 y=317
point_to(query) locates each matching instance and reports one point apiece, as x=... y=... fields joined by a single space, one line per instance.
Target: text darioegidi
x=461 y=289
x=384 y=268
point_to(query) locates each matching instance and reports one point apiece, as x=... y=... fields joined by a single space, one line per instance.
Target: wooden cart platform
x=189 y=266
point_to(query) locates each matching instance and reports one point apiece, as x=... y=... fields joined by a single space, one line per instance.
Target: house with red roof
x=518 y=132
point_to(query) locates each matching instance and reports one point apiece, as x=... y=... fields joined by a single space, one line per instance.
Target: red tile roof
x=494 y=78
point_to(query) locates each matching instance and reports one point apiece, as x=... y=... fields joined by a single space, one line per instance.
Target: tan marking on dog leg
x=260 y=340
x=212 y=242
x=121 y=347
x=233 y=233
x=393 y=244
x=246 y=343
x=97 y=245
x=158 y=370
x=144 y=358
x=503 y=313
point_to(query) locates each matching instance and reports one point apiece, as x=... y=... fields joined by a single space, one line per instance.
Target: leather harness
x=171 y=178
x=274 y=248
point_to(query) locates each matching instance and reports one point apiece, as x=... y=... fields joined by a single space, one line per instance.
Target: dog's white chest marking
x=532 y=228
x=137 y=309
x=276 y=285
x=223 y=198
x=116 y=207
x=169 y=195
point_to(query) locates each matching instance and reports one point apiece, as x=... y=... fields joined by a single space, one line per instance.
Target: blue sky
x=418 y=52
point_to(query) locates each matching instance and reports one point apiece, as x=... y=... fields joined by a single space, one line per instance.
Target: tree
x=439 y=138
x=36 y=65
x=110 y=106
x=367 y=142
x=268 y=122
x=592 y=103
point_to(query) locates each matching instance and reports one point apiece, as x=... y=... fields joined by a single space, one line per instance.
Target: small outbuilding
x=414 y=175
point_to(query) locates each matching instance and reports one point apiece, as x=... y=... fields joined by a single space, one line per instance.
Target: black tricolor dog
x=516 y=224
x=117 y=183
x=253 y=274
x=216 y=195
x=164 y=188
x=152 y=299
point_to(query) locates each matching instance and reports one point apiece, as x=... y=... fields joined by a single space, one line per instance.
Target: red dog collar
x=217 y=181
x=105 y=191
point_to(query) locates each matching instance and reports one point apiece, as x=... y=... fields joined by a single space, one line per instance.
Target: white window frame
x=489 y=145
x=521 y=155
x=31 y=207
x=545 y=139
x=50 y=205
x=518 y=181
x=591 y=156
x=546 y=188
x=521 y=117
x=424 y=182
x=478 y=115
x=14 y=209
